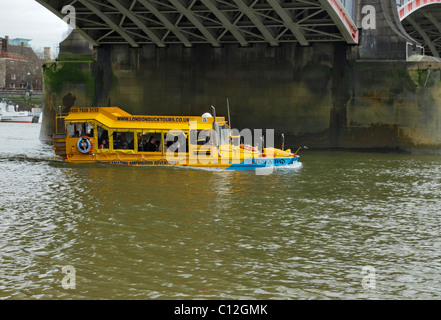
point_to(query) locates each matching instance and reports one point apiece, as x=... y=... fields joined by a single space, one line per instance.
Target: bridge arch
x=411 y=6
x=422 y=21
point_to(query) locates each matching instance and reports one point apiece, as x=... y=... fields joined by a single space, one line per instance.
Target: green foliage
x=58 y=73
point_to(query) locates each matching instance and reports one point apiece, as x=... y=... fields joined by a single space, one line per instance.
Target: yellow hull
x=159 y=161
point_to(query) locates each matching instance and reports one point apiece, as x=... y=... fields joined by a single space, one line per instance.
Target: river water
x=340 y=226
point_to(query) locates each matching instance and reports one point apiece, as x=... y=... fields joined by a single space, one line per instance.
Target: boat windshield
x=79 y=129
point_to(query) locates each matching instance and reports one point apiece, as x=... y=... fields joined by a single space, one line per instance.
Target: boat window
x=124 y=140
x=176 y=140
x=235 y=140
x=103 y=138
x=149 y=142
x=70 y=129
x=79 y=129
x=224 y=135
x=202 y=137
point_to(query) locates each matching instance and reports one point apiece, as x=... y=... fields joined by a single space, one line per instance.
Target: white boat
x=8 y=113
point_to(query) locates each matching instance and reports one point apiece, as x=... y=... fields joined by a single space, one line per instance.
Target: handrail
x=57 y=117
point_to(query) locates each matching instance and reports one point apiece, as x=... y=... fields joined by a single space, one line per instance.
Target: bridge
x=190 y=22
x=310 y=68
x=422 y=21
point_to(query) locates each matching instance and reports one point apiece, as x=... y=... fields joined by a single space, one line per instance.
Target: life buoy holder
x=84 y=144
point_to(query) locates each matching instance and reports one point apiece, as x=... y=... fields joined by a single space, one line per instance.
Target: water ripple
x=166 y=233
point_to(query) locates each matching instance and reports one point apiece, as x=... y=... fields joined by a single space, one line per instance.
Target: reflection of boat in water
x=8 y=113
x=111 y=135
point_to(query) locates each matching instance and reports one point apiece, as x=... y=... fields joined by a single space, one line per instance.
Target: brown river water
x=342 y=225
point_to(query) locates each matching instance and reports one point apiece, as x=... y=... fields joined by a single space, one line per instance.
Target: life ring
x=84 y=144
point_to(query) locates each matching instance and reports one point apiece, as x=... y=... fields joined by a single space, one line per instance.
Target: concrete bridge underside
x=190 y=22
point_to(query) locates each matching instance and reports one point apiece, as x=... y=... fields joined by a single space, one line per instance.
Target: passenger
x=76 y=134
x=158 y=145
x=177 y=143
x=131 y=145
x=103 y=144
x=116 y=140
x=123 y=144
x=83 y=130
x=151 y=145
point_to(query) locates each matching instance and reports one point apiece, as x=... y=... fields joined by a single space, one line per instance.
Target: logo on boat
x=84 y=144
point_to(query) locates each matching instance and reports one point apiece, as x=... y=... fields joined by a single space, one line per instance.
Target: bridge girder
x=216 y=22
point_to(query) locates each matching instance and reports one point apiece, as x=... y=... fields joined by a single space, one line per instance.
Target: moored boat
x=9 y=114
x=111 y=135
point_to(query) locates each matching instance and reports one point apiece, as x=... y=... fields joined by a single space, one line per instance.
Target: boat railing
x=59 y=116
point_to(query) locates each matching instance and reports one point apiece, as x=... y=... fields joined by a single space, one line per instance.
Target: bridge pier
x=388 y=40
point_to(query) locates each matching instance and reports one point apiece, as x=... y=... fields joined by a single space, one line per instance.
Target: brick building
x=20 y=67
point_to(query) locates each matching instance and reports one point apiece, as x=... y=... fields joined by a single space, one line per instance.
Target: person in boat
x=116 y=140
x=103 y=145
x=83 y=130
x=151 y=145
x=123 y=144
x=131 y=144
x=144 y=145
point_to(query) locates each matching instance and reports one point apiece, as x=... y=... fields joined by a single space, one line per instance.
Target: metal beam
x=164 y=20
x=216 y=22
x=138 y=22
x=110 y=22
x=193 y=19
x=226 y=22
x=425 y=37
x=249 y=12
x=290 y=24
x=433 y=20
x=343 y=22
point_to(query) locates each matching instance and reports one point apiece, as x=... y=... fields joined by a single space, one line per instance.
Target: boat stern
x=59 y=143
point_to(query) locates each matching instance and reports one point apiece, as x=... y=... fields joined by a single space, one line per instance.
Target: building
x=19 y=41
x=20 y=66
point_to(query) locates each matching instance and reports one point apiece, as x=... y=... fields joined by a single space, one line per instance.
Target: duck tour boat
x=112 y=136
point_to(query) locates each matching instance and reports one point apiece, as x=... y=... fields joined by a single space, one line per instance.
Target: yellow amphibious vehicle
x=111 y=135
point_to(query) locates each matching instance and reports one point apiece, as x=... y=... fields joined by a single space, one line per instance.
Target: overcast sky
x=30 y=20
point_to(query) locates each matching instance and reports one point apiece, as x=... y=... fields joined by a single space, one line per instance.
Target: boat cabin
x=109 y=131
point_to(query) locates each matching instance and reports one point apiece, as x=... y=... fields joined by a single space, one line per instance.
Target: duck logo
x=84 y=144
